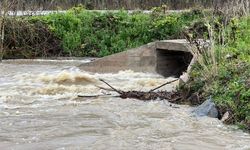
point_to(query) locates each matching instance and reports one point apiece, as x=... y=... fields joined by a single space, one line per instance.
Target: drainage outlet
x=172 y=63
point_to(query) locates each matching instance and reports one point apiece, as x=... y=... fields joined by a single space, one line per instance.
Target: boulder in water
x=206 y=109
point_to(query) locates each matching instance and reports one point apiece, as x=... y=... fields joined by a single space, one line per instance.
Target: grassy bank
x=83 y=33
x=224 y=72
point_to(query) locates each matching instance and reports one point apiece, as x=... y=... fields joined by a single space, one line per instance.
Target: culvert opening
x=172 y=63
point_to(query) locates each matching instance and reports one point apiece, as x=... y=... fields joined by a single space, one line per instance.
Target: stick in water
x=163 y=85
x=118 y=91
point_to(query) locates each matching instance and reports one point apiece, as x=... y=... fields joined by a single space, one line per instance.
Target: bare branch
x=118 y=91
x=169 y=82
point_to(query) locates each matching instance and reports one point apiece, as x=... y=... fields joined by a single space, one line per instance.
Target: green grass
x=232 y=87
x=229 y=86
x=85 y=33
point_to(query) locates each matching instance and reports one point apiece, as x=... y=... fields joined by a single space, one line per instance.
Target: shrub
x=85 y=33
x=24 y=39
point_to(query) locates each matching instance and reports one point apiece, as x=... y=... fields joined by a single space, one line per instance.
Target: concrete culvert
x=172 y=62
x=167 y=58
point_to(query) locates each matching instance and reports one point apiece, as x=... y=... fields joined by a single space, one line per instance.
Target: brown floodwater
x=39 y=109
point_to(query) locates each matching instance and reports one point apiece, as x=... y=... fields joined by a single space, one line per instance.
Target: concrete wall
x=141 y=59
x=168 y=58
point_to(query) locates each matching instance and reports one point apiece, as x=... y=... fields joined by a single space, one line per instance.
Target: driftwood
x=91 y=96
x=146 y=96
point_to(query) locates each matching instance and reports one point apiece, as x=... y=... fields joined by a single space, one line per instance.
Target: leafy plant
x=223 y=70
x=85 y=33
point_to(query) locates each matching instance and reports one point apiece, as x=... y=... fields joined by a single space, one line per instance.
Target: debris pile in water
x=146 y=96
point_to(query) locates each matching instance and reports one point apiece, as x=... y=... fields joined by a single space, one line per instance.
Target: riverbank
x=82 y=33
x=223 y=74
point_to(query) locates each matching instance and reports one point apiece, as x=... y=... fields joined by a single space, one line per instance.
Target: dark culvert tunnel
x=172 y=63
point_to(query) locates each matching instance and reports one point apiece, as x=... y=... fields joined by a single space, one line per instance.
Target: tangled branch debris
x=146 y=96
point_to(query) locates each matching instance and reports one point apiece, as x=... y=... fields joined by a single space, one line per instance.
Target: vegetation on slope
x=224 y=71
x=231 y=87
x=82 y=33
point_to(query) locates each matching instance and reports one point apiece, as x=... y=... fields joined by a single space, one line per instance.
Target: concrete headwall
x=168 y=58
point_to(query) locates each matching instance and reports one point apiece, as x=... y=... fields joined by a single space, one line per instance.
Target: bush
x=85 y=33
x=24 y=39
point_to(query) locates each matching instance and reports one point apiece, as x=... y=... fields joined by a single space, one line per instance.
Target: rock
x=184 y=78
x=225 y=117
x=228 y=118
x=206 y=109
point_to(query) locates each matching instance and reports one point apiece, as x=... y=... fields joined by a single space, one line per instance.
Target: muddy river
x=39 y=109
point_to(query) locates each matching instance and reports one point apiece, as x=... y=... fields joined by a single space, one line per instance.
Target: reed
x=222 y=69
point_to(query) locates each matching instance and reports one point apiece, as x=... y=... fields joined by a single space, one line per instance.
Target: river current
x=39 y=109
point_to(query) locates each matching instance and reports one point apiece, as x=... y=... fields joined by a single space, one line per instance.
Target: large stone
x=206 y=109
